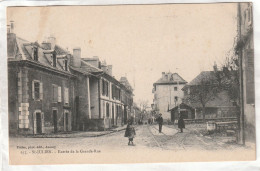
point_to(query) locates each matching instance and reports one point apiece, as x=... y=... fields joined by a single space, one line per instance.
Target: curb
x=69 y=135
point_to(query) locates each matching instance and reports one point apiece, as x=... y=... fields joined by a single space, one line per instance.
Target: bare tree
x=203 y=92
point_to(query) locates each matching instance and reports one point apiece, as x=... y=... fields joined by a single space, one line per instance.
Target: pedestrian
x=160 y=122
x=130 y=132
x=181 y=123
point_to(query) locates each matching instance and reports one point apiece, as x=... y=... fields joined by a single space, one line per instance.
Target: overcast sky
x=140 y=41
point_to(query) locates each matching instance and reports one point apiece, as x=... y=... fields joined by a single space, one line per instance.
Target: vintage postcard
x=131 y=83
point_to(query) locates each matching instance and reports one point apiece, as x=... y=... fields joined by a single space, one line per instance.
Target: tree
x=204 y=91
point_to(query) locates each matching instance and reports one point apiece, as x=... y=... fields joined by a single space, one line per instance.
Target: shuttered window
x=66 y=95
x=59 y=94
x=55 y=93
x=37 y=90
x=249 y=71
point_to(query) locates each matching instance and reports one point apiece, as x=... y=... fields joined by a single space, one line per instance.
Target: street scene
x=165 y=78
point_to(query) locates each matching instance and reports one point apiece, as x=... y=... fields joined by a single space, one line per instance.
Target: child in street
x=130 y=132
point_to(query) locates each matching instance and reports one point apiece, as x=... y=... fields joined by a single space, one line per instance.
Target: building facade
x=168 y=93
x=40 y=87
x=218 y=105
x=51 y=90
x=245 y=51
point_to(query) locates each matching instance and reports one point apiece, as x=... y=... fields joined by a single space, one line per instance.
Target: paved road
x=147 y=137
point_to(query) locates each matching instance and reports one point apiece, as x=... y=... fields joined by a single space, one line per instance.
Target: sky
x=140 y=41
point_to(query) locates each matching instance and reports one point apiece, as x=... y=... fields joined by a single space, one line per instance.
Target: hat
x=160 y=114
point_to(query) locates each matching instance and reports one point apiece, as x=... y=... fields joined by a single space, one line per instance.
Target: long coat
x=181 y=123
x=130 y=131
x=160 y=120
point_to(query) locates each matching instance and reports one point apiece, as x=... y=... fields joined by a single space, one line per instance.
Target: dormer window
x=66 y=65
x=54 y=59
x=35 y=53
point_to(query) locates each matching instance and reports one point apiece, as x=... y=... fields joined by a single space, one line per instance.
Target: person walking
x=130 y=132
x=181 y=123
x=160 y=122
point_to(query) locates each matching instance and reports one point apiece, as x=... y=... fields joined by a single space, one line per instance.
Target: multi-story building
x=51 y=90
x=168 y=93
x=40 y=87
x=101 y=97
x=245 y=50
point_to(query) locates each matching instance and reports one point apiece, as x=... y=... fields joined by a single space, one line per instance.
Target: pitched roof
x=203 y=75
x=124 y=81
x=90 y=68
x=171 y=78
x=221 y=100
x=23 y=50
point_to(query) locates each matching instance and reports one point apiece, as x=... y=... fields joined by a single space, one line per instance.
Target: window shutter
x=66 y=95
x=55 y=93
x=59 y=94
x=41 y=91
x=32 y=89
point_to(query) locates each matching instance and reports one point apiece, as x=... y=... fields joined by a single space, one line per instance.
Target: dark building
x=218 y=106
x=40 y=87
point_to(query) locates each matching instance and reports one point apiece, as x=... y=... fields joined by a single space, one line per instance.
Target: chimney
x=215 y=67
x=163 y=74
x=8 y=29
x=12 y=27
x=52 y=41
x=76 y=58
x=109 y=68
x=104 y=67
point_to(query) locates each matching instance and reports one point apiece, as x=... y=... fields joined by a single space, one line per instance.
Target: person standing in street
x=181 y=123
x=160 y=122
x=130 y=132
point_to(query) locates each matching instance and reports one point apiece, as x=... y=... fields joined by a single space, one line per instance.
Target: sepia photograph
x=151 y=83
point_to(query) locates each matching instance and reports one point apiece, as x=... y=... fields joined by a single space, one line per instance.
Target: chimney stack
x=109 y=68
x=8 y=29
x=52 y=41
x=163 y=74
x=12 y=27
x=76 y=58
x=215 y=67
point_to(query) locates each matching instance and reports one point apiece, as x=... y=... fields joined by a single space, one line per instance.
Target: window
x=176 y=98
x=104 y=88
x=175 y=88
x=37 y=93
x=54 y=59
x=37 y=90
x=35 y=53
x=66 y=95
x=107 y=110
x=54 y=93
x=66 y=65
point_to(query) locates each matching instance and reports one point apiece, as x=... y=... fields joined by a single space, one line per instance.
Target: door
x=55 y=123
x=38 y=123
x=66 y=121
x=184 y=114
x=172 y=116
x=113 y=115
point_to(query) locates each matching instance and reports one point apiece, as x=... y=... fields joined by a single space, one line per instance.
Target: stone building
x=51 y=90
x=101 y=97
x=245 y=51
x=40 y=87
x=168 y=93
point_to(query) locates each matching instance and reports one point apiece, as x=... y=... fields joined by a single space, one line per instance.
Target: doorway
x=113 y=115
x=38 y=123
x=55 y=123
x=66 y=121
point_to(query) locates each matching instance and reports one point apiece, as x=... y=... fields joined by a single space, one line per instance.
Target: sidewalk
x=75 y=134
